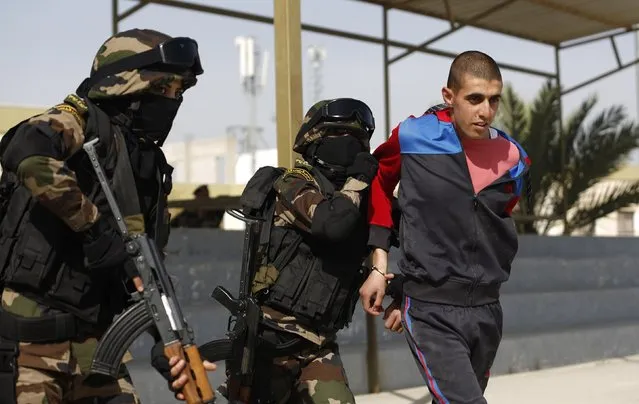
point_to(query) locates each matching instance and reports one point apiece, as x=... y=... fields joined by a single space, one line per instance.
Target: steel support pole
x=386 y=74
x=372 y=349
x=562 y=141
x=114 y=17
x=288 y=77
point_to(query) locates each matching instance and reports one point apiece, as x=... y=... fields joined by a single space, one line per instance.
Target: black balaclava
x=153 y=117
x=149 y=117
x=333 y=155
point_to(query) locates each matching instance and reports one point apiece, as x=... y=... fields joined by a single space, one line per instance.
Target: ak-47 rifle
x=156 y=307
x=239 y=349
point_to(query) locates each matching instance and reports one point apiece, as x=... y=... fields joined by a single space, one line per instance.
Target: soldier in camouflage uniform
x=322 y=201
x=64 y=266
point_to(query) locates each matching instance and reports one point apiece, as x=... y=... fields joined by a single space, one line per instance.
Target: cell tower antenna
x=317 y=55
x=253 y=79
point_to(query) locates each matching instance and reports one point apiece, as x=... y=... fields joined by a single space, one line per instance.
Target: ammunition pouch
x=8 y=371
x=42 y=258
x=320 y=290
x=317 y=283
x=15 y=208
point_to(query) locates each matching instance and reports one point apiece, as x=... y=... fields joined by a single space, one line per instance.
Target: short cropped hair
x=474 y=63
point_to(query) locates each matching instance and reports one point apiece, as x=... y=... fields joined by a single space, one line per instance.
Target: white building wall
x=203 y=161
x=211 y=161
x=217 y=161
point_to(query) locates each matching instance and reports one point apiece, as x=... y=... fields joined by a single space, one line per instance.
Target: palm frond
x=601 y=149
x=540 y=141
x=574 y=128
x=513 y=113
x=603 y=201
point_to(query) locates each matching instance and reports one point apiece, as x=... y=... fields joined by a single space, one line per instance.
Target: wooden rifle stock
x=197 y=389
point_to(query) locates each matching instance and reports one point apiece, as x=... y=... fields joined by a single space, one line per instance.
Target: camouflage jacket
x=298 y=190
x=55 y=186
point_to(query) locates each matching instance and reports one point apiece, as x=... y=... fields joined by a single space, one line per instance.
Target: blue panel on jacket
x=427 y=135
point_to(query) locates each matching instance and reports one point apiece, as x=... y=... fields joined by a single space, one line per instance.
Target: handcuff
x=374 y=268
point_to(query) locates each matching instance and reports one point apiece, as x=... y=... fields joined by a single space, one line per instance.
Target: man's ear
x=447 y=95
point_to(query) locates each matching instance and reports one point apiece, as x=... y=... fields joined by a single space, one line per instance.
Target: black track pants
x=454 y=347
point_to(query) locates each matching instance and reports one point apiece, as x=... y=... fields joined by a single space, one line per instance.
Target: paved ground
x=609 y=381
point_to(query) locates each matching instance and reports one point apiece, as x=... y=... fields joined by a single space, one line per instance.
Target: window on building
x=220 y=175
x=625 y=223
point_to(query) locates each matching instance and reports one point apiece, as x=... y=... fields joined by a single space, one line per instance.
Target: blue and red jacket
x=457 y=246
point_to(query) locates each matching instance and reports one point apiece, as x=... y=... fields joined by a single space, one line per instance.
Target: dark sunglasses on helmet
x=345 y=109
x=177 y=54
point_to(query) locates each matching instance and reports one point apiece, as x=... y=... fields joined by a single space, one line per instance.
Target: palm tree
x=567 y=188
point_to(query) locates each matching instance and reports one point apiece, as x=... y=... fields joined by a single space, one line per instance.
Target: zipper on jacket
x=473 y=261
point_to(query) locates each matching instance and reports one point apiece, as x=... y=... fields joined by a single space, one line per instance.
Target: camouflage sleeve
x=352 y=190
x=301 y=204
x=38 y=154
x=297 y=197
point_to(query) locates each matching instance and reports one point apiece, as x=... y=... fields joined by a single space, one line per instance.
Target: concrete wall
x=569 y=300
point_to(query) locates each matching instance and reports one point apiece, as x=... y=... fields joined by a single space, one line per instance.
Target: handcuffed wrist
x=376 y=269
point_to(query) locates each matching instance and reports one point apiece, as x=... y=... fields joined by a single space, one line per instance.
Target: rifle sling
x=125 y=190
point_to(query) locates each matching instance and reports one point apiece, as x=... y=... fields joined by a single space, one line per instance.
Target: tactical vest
x=315 y=281
x=42 y=258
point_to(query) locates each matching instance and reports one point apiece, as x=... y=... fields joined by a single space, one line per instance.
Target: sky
x=47 y=50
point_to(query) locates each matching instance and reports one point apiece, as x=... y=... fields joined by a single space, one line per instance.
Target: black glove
x=105 y=250
x=395 y=288
x=363 y=168
x=160 y=362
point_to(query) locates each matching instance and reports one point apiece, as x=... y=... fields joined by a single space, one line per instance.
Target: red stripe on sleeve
x=381 y=196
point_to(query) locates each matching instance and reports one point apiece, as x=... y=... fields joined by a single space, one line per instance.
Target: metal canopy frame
x=409 y=48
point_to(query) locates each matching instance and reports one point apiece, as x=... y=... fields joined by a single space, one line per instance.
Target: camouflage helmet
x=132 y=63
x=352 y=116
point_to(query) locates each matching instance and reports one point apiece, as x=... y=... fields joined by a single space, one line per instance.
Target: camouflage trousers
x=50 y=387
x=315 y=376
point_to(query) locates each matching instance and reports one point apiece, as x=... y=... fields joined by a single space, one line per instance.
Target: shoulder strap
x=165 y=184
x=269 y=213
x=98 y=123
x=112 y=147
x=124 y=186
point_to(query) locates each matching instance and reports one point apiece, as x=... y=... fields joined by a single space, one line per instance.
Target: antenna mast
x=253 y=81
x=317 y=55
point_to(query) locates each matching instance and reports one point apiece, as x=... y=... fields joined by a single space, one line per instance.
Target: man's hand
x=177 y=366
x=105 y=250
x=172 y=368
x=393 y=317
x=373 y=290
x=363 y=168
